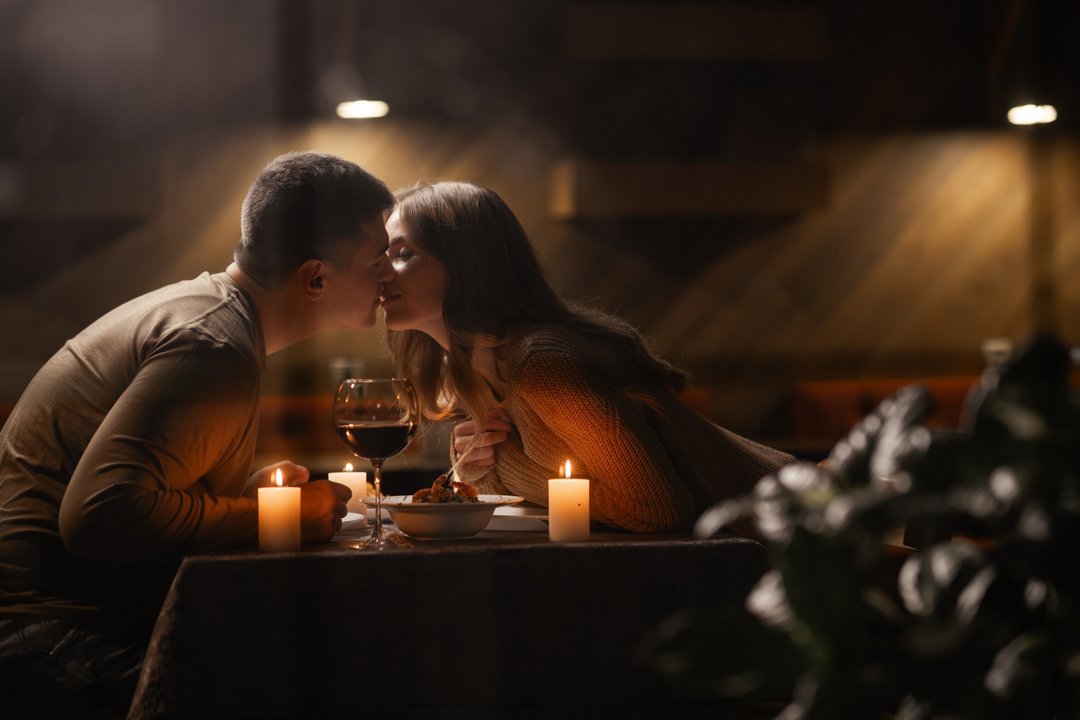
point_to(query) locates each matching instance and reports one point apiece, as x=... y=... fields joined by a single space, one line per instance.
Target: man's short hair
x=305 y=205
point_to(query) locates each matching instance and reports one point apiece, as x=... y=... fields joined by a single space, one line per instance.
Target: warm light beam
x=362 y=109
x=1032 y=114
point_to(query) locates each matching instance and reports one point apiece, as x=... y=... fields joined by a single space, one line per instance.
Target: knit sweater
x=654 y=463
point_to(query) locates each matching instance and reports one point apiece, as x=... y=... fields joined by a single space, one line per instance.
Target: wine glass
x=376 y=419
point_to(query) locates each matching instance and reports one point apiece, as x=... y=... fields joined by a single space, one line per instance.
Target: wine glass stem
x=377 y=532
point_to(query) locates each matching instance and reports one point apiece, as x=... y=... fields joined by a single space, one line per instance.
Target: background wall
x=129 y=134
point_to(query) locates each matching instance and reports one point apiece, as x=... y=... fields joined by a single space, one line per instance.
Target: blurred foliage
x=975 y=615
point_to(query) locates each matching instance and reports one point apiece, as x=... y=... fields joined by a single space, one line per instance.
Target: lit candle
x=568 y=508
x=279 y=517
x=355 y=481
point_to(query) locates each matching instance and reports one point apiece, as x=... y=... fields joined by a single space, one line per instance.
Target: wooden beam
x=792 y=34
x=598 y=189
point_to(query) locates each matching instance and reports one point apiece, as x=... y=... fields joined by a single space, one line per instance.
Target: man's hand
x=291 y=474
x=483 y=455
x=322 y=506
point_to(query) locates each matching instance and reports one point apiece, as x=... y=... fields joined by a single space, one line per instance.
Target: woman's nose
x=386 y=270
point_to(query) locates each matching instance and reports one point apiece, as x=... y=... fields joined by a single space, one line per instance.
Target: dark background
x=129 y=130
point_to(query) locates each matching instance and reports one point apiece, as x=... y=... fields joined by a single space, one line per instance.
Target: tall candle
x=568 y=508
x=279 y=517
x=355 y=481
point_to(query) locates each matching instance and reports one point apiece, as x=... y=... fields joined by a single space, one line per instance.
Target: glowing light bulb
x=362 y=109
x=1032 y=114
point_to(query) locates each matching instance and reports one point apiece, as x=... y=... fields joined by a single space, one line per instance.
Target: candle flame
x=277 y=477
x=348 y=467
x=567 y=469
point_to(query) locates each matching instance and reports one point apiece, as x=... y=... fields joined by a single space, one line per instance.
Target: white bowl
x=442 y=520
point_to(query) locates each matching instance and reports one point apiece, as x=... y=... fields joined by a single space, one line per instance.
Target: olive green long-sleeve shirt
x=131 y=446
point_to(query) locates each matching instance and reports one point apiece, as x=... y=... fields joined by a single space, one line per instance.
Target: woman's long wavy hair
x=495 y=292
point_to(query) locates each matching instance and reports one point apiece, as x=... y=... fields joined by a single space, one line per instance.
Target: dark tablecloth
x=501 y=625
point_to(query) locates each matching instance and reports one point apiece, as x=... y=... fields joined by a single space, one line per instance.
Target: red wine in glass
x=376 y=442
x=376 y=418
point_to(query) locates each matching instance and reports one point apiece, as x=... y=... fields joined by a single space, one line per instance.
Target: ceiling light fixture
x=362 y=109
x=1032 y=114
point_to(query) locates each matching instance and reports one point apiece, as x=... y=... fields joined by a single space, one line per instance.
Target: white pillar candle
x=279 y=517
x=568 y=508
x=355 y=481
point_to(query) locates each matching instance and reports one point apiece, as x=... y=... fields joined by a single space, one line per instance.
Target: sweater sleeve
x=634 y=485
x=163 y=472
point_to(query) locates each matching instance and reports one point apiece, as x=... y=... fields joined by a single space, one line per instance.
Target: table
x=501 y=625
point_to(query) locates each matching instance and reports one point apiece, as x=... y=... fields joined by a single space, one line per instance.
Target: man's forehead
x=373 y=232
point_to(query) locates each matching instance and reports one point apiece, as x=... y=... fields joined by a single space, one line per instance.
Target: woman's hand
x=291 y=474
x=322 y=507
x=483 y=454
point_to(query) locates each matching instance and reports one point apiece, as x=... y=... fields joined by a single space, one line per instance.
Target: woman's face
x=413 y=299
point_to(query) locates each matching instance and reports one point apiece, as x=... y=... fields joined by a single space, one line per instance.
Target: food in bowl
x=442 y=520
x=444 y=491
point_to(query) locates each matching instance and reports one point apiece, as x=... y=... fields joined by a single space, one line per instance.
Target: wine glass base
x=377 y=540
x=375 y=543
x=393 y=541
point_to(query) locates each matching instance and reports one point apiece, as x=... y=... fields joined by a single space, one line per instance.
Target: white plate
x=354 y=521
x=519 y=518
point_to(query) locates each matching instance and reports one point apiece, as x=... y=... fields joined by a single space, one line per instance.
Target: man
x=133 y=444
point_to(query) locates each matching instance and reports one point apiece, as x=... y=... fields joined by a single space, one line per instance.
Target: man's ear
x=311 y=277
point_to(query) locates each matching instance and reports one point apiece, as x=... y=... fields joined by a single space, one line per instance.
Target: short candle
x=279 y=517
x=355 y=481
x=568 y=508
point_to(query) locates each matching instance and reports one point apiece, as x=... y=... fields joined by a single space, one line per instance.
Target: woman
x=476 y=327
